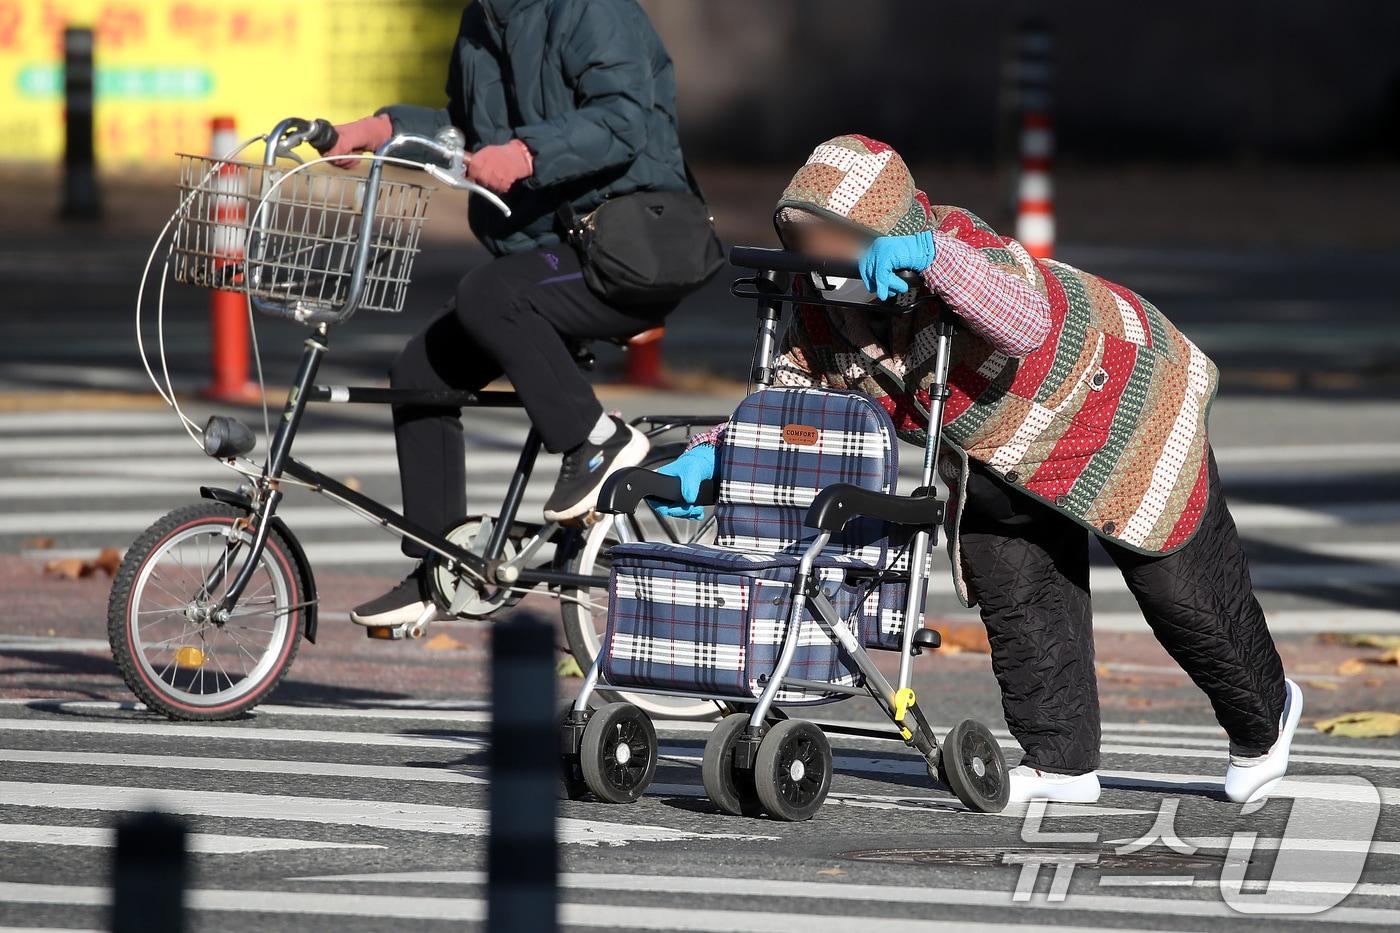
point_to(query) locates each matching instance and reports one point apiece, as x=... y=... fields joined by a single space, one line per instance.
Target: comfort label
x=800 y=434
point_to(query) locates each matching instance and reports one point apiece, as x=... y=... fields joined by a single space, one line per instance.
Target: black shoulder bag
x=646 y=248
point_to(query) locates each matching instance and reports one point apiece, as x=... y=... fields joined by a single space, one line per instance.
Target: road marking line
x=438 y=773
x=1285 y=453
x=1123 y=734
x=1359 y=889
x=1293 y=621
x=375 y=814
x=917 y=802
x=33 y=643
x=853 y=891
x=1253 y=516
x=692 y=920
x=243 y=733
x=1279 y=843
x=205 y=843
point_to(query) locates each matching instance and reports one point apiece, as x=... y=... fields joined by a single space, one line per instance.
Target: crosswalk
x=376 y=815
x=1323 y=553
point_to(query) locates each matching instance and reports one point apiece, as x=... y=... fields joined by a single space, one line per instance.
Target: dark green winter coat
x=586 y=84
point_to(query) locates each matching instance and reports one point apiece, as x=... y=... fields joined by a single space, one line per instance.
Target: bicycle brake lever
x=463 y=184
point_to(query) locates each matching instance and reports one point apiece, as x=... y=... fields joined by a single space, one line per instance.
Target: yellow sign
x=165 y=68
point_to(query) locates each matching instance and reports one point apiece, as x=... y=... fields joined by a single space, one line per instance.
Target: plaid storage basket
x=712 y=618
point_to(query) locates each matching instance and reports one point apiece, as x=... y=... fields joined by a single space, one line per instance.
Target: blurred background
x=1238 y=163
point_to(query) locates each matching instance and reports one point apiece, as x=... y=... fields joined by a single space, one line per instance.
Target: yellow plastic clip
x=903 y=699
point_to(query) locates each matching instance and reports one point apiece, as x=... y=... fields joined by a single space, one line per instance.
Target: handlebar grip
x=322 y=136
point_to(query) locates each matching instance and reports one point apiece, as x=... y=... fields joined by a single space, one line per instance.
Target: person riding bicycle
x=564 y=104
x=1076 y=408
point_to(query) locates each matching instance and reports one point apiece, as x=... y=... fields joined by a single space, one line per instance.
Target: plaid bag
x=713 y=618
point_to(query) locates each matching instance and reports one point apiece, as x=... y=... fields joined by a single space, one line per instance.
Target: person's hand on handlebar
x=365 y=135
x=500 y=167
x=692 y=468
x=887 y=254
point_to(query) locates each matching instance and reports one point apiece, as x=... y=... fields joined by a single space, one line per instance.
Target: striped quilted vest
x=1106 y=421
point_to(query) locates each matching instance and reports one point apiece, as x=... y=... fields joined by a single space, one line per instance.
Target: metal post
x=149 y=875
x=522 y=854
x=80 y=194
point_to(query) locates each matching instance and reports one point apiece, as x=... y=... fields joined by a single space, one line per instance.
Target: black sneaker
x=584 y=469
x=402 y=605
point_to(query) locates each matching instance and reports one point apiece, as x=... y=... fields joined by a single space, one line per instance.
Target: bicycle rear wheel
x=173 y=657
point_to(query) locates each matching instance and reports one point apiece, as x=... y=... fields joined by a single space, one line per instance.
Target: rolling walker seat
x=712 y=618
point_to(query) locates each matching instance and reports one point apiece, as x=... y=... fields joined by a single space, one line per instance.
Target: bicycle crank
x=460 y=595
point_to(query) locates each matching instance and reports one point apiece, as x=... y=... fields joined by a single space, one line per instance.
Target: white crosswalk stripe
x=68 y=769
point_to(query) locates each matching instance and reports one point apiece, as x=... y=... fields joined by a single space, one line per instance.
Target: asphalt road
x=347 y=820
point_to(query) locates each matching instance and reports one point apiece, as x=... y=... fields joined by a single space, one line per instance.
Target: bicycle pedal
x=395 y=632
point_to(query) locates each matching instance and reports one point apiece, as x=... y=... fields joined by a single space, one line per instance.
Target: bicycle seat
x=582 y=346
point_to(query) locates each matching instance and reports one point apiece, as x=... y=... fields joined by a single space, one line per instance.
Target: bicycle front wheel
x=173 y=656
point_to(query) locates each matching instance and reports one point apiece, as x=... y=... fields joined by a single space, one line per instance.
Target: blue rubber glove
x=889 y=253
x=692 y=467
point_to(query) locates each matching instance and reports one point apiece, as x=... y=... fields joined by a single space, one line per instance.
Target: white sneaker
x=1253 y=778
x=1027 y=783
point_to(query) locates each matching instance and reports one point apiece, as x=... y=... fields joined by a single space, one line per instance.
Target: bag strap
x=694 y=183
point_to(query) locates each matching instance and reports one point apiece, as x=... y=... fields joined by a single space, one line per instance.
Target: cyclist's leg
x=523 y=309
x=430 y=452
x=429 y=439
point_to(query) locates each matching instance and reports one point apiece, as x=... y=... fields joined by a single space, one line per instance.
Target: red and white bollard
x=1035 y=203
x=228 y=310
x=644 y=358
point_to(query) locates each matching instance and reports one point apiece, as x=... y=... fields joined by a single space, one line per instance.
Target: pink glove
x=364 y=135
x=499 y=167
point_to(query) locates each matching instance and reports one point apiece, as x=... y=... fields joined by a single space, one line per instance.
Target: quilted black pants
x=1029 y=566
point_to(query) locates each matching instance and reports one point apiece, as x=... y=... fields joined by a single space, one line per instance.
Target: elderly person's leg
x=1030 y=569
x=1200 y=604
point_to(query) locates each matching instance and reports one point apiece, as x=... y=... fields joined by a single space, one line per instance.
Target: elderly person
x=1076 y=410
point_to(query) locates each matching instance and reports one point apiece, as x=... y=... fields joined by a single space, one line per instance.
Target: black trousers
x=513 y=316
x=1029 y=566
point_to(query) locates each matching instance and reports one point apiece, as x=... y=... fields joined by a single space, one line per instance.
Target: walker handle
x=785 y=260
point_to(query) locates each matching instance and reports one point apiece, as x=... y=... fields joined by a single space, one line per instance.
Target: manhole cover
x=1148 y=860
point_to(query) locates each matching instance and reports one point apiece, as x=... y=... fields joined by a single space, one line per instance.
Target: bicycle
x=228 y=574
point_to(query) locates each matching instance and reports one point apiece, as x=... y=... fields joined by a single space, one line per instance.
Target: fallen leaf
x=1351 y=667
x=442 y=642
x=832 y=871
x=965 y=636
x=1322 y=684
x=39 y=544
x=108 y=561
x=69 y=568
x=1367 y=724
x=1369 y=640
x=568 y=667
x=1390 y=657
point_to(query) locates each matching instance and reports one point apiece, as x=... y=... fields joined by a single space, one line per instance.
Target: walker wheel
x=618 y=756
x=793 y=770
x=728 y=787
x=974 y=768
x=571 y=783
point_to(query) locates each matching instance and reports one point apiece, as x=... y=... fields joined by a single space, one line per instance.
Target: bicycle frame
x=487 y=568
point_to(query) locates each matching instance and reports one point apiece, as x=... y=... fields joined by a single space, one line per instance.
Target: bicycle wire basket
x=296 y=255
